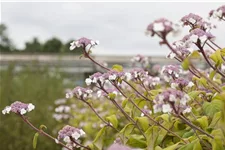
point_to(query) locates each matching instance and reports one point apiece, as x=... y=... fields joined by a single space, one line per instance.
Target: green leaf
x=112 y=95
x=127 y=129
x=185 y=64
x=194 y=94
x=98 y=141
x=212 y=74
x=118 y=68
x=152 y=135
x=124 y=103
x=194 y=145
x=195 y=54
x=222 y=51
x=216 y=57
x=136 y=141
x=112 y=119
x=144 y=122
x=188 y=134
x=210 y=108
x=218 y=141
x=203 y=121
x=172 y=147
x=42 y=127
x=35 y=140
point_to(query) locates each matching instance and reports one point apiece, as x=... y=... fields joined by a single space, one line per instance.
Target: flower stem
x=108 y=124
x=42 y=132
x=194 y=126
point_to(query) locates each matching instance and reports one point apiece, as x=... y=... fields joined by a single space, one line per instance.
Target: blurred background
x=37 y=66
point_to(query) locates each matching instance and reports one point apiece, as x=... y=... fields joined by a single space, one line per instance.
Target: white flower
x=23 y=111
x=67 y=109
x=166 y=108
x=158 y=27
x=85 y=95
x=171 y=55
x=156 y=108
x=99 y=93
x=187 y=110
x=88 y=81
x=203 y=38
x=69 y=95
x=82 y=132
x=194 y=38
x=30 y=107
x=128 y=76
x=56 y=141
x=190 y=84
x=6 y=110
x=112 y=77
x=76 y=135
x=170 y=71
x=173 y=85
x=72 y=45
x=66 y=139
x=167 y=79
x=172 y=98
x=92 y=43
x=191 y=20
x=79 y=92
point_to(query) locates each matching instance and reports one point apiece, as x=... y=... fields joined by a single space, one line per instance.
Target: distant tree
x=66 y=49
x=33 y=46
x=5 y=42
x=52 y=45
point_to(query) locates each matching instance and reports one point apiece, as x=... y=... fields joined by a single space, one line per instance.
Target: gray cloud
x=119 y=27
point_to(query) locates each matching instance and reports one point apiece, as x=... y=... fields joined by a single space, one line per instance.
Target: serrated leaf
x=112 y=119
x=35 y=138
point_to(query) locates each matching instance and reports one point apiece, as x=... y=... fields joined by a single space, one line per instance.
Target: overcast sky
x=120 y=27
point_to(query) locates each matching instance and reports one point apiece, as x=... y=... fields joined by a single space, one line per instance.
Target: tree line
x=52 y=45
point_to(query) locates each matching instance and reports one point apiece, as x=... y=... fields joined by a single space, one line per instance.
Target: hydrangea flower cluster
x=141 y=59
x=136 y=74
x=181 y=48
x=151 y=82
x=101 y=93
x=80 y=93
x=18 y=108
x=170 y=72
x=161 y=27
x=69 y=134
x=83 y=42
x=195 y=21
x=218 y=13
x=197 y=35
x=171 y=101
x=96 y=78
x=191 y=19
x=181 y=83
